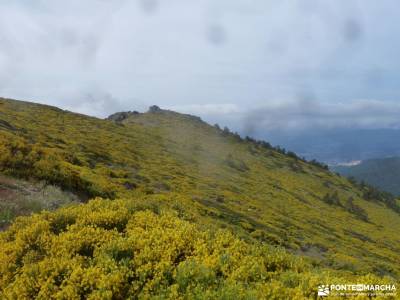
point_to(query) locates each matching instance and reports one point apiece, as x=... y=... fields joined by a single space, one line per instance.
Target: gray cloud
x=352 y=30
x=216 y=34
x=312 y=115
x=149 y=6
x=298 y=115
x=225 y=60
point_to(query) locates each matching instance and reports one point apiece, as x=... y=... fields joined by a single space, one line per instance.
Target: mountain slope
x=209 y=176
x=383 y=173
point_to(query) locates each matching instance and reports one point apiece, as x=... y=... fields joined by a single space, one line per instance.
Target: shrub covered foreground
x=111 y=250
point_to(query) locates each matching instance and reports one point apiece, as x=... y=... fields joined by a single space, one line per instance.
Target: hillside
x=162 y=162
x=383 y=173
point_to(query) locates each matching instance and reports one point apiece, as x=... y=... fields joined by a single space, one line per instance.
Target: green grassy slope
x=210 y=177
x=383 y=173
x=20 y=197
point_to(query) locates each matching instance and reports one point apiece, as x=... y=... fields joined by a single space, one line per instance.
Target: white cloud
x=207 y=109
x=219 y=59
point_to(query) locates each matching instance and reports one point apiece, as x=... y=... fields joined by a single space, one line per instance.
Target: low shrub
x=107 y=250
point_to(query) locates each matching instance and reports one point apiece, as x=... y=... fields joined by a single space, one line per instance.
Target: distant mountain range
x=382 y=173
x=337 y=146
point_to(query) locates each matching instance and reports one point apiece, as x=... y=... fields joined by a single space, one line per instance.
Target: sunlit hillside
x=175 y=171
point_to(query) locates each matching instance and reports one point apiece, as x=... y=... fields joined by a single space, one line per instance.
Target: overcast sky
x=246 y=63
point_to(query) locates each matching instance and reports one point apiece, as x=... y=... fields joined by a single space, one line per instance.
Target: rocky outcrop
x=120 y=116
x=154 y=109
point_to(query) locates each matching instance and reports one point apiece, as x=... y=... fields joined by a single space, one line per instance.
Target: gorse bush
x=17 y=157
x=355 y=209
x=332 y=199
x=112 y=250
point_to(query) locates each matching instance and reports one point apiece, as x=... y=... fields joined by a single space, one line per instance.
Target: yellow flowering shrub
x=113 y=250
